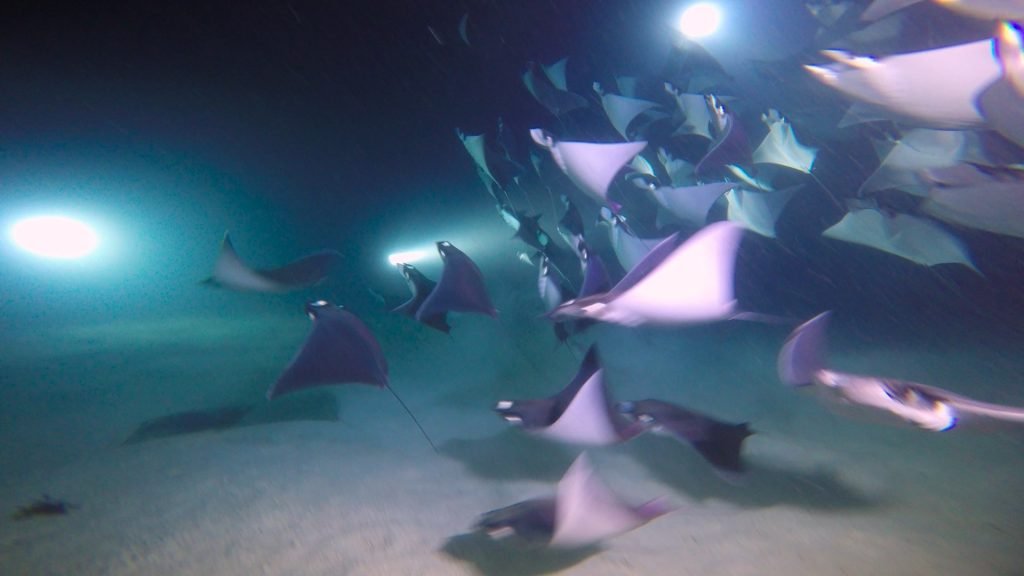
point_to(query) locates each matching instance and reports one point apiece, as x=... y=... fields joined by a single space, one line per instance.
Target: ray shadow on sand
x=510 y=455
x=763 y=484
x=320 y=407
x=494 y=558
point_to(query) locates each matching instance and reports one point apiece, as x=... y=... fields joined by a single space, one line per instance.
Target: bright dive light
x=700 y=20
x=407 y=257
x=56 y=237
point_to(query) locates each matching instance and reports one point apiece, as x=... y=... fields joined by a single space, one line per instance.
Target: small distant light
x=54 y=237
x=700 y=20
x=407 y=257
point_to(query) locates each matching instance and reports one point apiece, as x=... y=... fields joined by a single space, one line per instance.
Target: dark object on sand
x=188 y=423
x=322 y=407
x=45 y=506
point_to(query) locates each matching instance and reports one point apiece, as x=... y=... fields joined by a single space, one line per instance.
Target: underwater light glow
x=700 y=20
x=407 y=257
x=54 y=237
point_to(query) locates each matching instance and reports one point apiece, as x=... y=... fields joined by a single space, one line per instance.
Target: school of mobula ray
x=959 y=113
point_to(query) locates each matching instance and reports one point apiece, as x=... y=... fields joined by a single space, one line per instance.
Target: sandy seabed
x=366 y=495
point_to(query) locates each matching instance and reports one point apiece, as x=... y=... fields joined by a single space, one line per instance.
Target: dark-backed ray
x=340 y=349
x=230 y=272
x=557 y=101
x=530 y=521
x=581 y=413
x=731 y=145
x=570 y=225
x=583 y=512
x=720 y=443
x=461 y=287
x=421 y=287
x=595 y=281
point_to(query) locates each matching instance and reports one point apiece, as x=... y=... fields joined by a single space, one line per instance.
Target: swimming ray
x=758 y=211
x=583 y=513
x=680 y=172
x=675 y=283
x=719 y=443
x=581 y=413
x=590 y=166
x=916 y=150
x=929 y=89
x=641 y=180
x=730 y=145
x=828 y=13
x=696 y=118
x=802 y=363
x=879 y=9
x=529 y=231
x=550 y=286
x=629 y=248
x=493 y=190
x=976 y=200
x=627 y=85
x=499 y=168
x=230 y=272
x=558 y=102
x=890 y=33
x=914 y=239
x=340 y=349
x=461 y=287
x=508 y=215
x=985 y=9
x=862 y=113
x=587 y=511
x=758 y=181
x=570 y=226
x=643 y=167
x=555 y=73
x=691 y=204
x=527 y=228
x=781 y=148
x=595 y=276
x=475 y=145
x=595 y=281
x=622 y=110
x=1002 y=103
x=420 y=286
x=464 y=29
